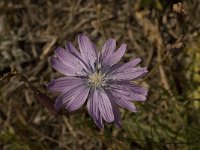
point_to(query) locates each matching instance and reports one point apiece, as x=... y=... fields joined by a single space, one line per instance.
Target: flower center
x=96 y=79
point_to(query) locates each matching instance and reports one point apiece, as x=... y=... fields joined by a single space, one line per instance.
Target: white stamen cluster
x=96 y=79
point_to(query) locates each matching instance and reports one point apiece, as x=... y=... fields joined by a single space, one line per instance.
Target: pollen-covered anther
x=96 y=79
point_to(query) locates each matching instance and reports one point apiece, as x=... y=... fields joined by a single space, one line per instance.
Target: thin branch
x=43 y=99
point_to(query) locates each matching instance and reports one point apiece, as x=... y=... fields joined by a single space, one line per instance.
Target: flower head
x=98 y=79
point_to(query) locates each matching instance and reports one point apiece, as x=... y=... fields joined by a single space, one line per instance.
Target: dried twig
x=43 y=99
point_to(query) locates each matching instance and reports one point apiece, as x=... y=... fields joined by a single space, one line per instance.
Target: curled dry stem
x=43 y=99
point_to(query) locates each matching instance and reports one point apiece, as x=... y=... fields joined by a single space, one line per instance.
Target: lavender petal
x=108 y=49
x=128 y=91
x=93 y=109
x=92 y=104
x=88 y=50
x=128 y=74
x=65 y=83
x=116 y=56
x=63 y=99
x=73 y=50
x=125 y=67
x=77 y=54
x=105 y=106
x=62 y=68
x=99 y=122
x=78 y=99
x=70 y=60
x=116 y=113
x=126 y=104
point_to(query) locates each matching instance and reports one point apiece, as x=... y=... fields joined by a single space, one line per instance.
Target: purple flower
x=98 y=78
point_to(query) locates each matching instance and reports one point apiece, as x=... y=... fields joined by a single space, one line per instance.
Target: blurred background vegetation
x=30 y=30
